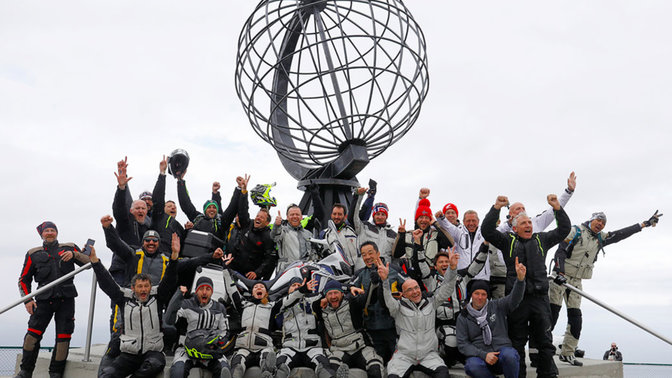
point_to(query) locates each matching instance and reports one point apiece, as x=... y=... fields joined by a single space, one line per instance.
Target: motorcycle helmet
x=178 y=161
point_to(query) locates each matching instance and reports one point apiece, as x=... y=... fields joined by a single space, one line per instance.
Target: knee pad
x=376 y=371
x=61 y=350
x=442 y=371
x=555 y=313
x=30 y=341
x=574 y=320
x=282 y=360
x=321 y=360
x=237 y=360
x=283 y=371
x=151 y=365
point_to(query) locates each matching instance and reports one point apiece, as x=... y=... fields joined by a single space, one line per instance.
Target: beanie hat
x=451 y=207
x=479 y=285
x=333 y=285
x=423 y=209
x=203 y=280
x=145 y=194
x=44 y=225
x=208 y=203
x=599 y=215
x=151 y=234
x=380 y=206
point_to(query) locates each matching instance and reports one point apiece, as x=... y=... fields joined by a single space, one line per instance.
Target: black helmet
x=178 y=161
x=206 y=344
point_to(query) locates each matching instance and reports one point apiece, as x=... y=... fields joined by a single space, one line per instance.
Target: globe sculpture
x=331 y=84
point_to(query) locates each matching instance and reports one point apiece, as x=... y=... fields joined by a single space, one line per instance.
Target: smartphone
x=87 y=247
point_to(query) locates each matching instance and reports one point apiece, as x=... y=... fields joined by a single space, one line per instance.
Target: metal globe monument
x=330 y=85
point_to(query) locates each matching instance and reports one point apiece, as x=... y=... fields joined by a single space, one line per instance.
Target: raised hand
x=424 y=193
x=501 y=201
x=402 y=225
x=417 y=236
x=243 y=184
x=312 y=284
x=553 y=201
x=278 y=219
x=453 y=258
x=217 y=254
x=571 y=182
x=106 y=220
x=361 y=191
x=163 y=165
x=92 y=256
x=653 y=221
x=215 y=187
x=175 y=247
x=383 y=270
x=293 y=288
x=122 y=165
x=520 y=270
x=122 y=178
x=227 y=259
x=355 y=291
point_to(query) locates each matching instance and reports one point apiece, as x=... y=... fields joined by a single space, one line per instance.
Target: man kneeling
x=482 y=330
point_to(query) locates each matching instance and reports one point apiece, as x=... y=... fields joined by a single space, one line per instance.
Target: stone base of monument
x=77 y=368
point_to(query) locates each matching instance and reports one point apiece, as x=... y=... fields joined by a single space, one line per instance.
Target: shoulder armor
x=70 y=245
x=36 y=249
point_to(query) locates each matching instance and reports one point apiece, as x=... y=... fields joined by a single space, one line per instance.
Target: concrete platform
x=77 y=368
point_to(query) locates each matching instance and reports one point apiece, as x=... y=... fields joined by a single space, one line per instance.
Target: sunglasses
x=155 y=240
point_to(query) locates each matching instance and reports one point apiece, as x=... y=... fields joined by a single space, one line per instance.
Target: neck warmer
x=482 y=321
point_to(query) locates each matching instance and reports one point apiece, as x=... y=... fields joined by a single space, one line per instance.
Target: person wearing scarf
x=482 y=330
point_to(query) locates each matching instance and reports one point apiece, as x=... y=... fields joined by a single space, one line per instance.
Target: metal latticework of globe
x=316 y=76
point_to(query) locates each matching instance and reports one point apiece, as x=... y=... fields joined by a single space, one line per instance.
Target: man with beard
x=131 y=224
x=45 y=264
x=342 y=319
x=252 y=246
x=345 y=235
x=533 y=317
x=142 y=260
x=574 y=261
x=163 y=216
x=140 y=307
x=414 y=317
x=196 y=314
x=210 y=220
x=301 y=343
x=433 y=239
x=379 y=232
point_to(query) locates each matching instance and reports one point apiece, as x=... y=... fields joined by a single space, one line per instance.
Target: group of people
x=447 y=291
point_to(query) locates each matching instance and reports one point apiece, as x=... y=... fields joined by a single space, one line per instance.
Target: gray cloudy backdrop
x=521 y=93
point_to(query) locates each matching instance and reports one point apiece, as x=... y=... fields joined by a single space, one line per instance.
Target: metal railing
x=92 y=303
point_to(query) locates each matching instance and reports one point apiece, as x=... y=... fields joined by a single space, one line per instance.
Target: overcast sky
x=521 y=93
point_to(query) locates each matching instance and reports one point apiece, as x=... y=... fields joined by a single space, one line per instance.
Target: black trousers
x=141 y=365
x=532 y=319
x=63 y=312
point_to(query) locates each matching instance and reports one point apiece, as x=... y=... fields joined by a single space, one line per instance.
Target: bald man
x=415 y=316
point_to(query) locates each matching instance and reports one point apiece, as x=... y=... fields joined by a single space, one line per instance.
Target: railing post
x=89 y=327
